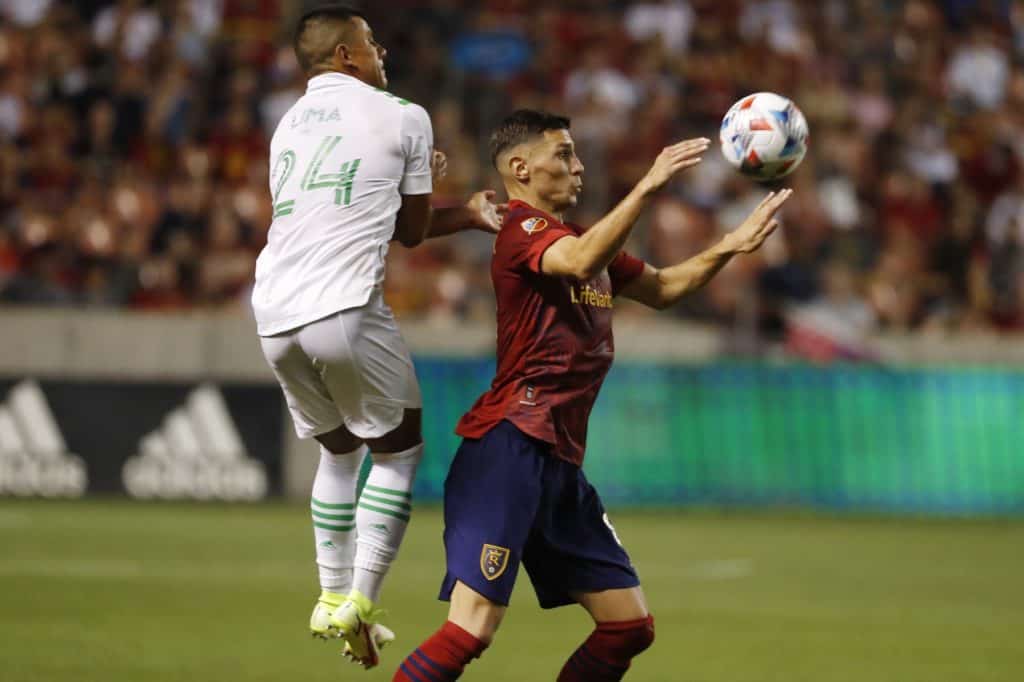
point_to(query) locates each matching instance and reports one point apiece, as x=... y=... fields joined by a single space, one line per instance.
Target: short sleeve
x=623 y=269
x=417 y=148
x=526 y=236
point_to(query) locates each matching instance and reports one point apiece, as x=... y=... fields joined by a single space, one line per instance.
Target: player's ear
x=342 y=55
x=518 y=167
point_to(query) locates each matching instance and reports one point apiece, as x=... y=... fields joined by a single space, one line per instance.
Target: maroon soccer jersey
x=555 y=341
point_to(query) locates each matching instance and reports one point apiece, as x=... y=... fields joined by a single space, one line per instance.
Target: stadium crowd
x=134 y=135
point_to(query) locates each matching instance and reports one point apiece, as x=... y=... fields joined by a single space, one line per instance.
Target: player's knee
x=635 y=639
x=407 y=435
x=646 y=639
x=340 y=441
x=405 y=461
x=411 y=454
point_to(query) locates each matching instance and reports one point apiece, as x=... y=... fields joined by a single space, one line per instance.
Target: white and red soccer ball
x=764 y=136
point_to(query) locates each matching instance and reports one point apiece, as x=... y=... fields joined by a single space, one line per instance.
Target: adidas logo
x=196 y=453
x=34 y=459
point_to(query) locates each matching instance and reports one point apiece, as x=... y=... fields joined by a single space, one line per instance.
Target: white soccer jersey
x=340 y=160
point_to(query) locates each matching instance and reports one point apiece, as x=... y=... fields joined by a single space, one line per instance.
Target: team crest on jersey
x=494 y=561
x=534 y=225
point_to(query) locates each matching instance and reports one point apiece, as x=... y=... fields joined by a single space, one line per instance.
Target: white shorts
x=351 y=368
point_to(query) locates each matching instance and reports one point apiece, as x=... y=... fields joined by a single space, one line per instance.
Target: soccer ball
x=764 y=136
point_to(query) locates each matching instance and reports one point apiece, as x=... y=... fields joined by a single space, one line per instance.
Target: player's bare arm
x=660 y=288
x=585 y=256
x=438 y=166
x=417 y=220
x=479 y=213
x=413 y=220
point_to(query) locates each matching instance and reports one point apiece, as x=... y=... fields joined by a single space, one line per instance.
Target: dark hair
x=520 y=126
x=311 y=50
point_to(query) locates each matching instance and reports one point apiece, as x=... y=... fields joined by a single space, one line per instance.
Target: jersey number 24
x=314 y=177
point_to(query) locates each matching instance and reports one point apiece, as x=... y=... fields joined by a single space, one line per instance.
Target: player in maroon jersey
x=515 y=492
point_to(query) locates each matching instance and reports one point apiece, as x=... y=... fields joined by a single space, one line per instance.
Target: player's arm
x=479 y=213
x=422 y=164
x=585 y=256
x=417 y=220
x=660 y=288
x=413 y=220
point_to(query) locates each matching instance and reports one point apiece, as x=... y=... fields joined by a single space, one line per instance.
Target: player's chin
x=571 y=200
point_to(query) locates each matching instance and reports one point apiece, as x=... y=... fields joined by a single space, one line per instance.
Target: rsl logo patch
x=493 y=561
x=533 y=225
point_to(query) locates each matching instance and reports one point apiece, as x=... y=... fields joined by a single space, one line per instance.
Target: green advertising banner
x=840 y=437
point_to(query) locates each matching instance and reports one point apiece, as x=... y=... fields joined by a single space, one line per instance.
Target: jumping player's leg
x=334 y=397
x=379 y=526
x=368 y=372
x=385 y=504
x=378 y=522
x=333 y=497
x=332 y=505
x=623 y=628
x=374 y=386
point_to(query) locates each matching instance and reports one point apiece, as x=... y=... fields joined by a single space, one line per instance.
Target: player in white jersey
x=350 y=172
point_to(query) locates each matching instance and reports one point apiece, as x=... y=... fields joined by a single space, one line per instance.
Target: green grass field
x=112 y=591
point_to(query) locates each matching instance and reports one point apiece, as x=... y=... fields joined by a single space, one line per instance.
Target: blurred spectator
x=128 y=28
x=669 y=22
x=24 y=13
x=978 y=70
x=134 y=134
x=836 y=325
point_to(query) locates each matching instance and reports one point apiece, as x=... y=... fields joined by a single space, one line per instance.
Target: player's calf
x=608 y=651
x=472 y=622
x=442 y=657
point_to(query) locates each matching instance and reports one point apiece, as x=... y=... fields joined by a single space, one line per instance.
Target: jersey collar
x=517 y=203
x=331 y=79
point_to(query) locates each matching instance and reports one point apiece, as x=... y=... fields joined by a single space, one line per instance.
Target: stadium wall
x=675 y=423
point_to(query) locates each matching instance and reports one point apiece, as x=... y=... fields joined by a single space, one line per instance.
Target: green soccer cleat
x=355 y=621
x=320 y=621
x=381 y=636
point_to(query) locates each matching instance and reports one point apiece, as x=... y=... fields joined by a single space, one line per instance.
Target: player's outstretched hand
x=673 y=159
x=755 y=229
x=438 y=166
x=486 y=214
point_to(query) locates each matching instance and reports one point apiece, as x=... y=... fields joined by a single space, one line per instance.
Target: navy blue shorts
x=508 y=500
